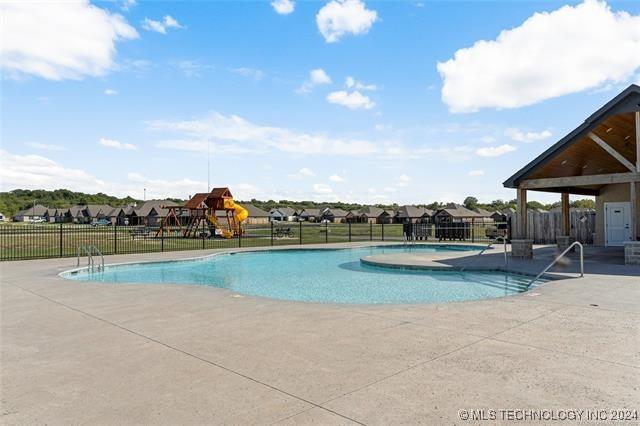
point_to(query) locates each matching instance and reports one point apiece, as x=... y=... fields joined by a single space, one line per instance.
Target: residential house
x=335 y=215
x=151 y=212
x=413 y=214
x=283 y=214
x=257 y=216
x=310 y=215
x=372 y=214
x=2 y=217
x=34 y=213
x=457 y=213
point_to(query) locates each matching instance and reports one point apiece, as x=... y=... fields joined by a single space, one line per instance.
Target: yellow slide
x=239 y=213
x=225 y=233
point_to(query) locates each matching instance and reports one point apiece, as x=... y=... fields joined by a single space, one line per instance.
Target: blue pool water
x=330 y=276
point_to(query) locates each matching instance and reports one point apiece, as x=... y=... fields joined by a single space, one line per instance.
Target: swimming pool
x=319 y=275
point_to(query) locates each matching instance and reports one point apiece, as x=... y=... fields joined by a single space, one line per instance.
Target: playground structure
x=202 y=218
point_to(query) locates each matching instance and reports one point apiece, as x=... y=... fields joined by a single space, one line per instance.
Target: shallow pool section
x=319 y=275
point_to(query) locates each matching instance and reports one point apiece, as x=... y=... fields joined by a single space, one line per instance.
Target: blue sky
x=340 y=100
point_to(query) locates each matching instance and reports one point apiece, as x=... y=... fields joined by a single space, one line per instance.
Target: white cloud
x=341 y=17
x=495 y=151
x=353 y=100
x=403 y=180
x=336 y=178
x=161 y=26
x=37 y=172
x=192 y=68
x=223 y=130
x=352 y=83
x=306 y=171
x=110 y=92
x=249 y=72
x=317 y=77
x=302 y=173
x=521 y=136
x=551 y=54
x=476 y=173
x=128 y=4
x=45 y=146
x=321 y=188
x=117 y=144
x=283 y=7
x=60 y=40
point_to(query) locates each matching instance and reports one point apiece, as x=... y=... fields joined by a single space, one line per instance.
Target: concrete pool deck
x=91 y=353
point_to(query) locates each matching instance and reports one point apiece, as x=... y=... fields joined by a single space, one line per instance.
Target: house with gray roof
x=413 y=214
x=310 y=215
x=372 y=214
x=150 y=212
x=34 y=213
x=281 y=214
x=335 y=215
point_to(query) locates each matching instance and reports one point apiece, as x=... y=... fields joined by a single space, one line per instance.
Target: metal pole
x=271 y=232
x=203 y=234
x=382 y=231
x=300 y=232
x=239 y=238
x=61 y=240
x=115 y=238
x=370 y=231
x=349 y=231
x=162 y=240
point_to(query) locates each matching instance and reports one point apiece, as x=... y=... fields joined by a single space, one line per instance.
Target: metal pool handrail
x=498 y=238
x=560 y=256
x=89 y=249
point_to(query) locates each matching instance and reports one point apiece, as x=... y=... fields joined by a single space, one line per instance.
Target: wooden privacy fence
x=544 y=227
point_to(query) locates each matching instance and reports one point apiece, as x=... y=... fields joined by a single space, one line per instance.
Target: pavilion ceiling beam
x=615 y=154
x=586 y=180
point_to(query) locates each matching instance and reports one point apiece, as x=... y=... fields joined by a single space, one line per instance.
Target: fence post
x=60 y=239
x=382 y=231
x=473 y=232
x=370 y=231
x=239 y=237
x=161 y=239
x=203 y=234
x=326 y=232
x=300 y=232
x=349 y=231
x=271 y=222
x=115 y=238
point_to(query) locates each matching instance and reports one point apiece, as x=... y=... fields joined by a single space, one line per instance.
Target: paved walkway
x=88 y=353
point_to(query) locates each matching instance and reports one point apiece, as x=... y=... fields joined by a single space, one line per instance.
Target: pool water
x=327 y=275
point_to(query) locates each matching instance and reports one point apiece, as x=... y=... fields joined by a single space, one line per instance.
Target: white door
x=617 y=229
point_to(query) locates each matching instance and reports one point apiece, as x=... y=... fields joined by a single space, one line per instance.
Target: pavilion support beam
x=521 y=226
x=633 y=198
x=638 y=141
x=566 y=230
x=615 y=154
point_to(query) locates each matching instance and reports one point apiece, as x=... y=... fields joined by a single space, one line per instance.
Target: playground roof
x=222 y=192
x=197 y=200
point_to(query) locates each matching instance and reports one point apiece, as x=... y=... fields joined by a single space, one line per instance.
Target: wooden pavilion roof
x=586 y=151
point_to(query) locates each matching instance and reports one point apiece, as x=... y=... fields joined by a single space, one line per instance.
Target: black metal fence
x=40 y=241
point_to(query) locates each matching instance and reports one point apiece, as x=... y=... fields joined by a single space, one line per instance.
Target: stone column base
x=565 y=241
x=632 y=252
x=522 y=248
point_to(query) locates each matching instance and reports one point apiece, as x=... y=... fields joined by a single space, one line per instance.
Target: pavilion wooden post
x=521 y=246
x=633 y=196
x=566 y=230
x=521 y=225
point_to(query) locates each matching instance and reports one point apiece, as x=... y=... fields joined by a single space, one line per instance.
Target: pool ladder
x=504 y=243
x=560 y=256
x=90 y=250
